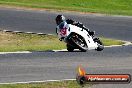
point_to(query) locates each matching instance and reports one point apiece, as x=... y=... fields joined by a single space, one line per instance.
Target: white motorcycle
x=77 y=38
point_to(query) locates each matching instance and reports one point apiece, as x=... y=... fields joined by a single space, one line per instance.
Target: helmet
x=59 y=19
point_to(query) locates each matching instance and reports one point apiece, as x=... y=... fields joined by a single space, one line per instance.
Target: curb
x=25 y=32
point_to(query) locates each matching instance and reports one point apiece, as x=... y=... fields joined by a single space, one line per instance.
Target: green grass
x=119 y=7
x=108 y=42
x=62 y=84
x=28 y=42
x=32 y=42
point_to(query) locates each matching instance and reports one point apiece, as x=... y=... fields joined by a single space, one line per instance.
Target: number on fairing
x=63 y=31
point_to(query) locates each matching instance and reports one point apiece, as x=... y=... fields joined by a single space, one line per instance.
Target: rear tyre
x=70 y=48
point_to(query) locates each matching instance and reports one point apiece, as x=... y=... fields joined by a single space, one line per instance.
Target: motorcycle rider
x=61 y=18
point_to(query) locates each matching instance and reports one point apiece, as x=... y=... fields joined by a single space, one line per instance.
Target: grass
x=28 y=42
x=119 y=7
x=108 y=42
x=62 y=84
x=10 y=41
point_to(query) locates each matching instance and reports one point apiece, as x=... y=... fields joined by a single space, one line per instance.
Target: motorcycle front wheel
x=69 y=48
x=79 y=42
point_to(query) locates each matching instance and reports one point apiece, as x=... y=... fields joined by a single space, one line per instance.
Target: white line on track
x=15 y=52
x=39 y=81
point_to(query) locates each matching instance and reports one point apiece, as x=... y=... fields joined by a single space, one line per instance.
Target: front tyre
x=70 y=48
x=79 y=42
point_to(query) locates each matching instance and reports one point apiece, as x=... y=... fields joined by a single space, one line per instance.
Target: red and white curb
x=28 y=82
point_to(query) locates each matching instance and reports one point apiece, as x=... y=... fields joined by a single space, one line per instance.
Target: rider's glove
x=62 y=38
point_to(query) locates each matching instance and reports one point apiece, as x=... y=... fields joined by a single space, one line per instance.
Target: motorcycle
x=77 y=38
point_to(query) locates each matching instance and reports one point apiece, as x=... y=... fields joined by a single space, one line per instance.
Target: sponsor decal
x=83 y=78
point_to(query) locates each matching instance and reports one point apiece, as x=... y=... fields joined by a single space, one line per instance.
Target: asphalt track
x=44 y=22
x=39 y=66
